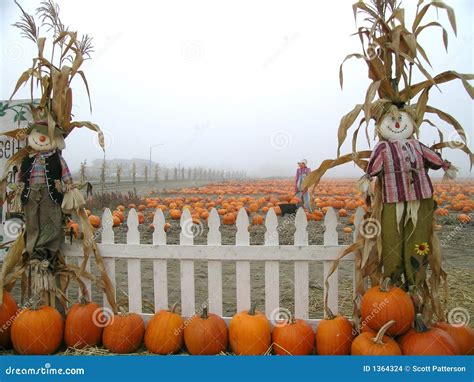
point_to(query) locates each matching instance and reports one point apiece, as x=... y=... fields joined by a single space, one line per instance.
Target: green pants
x=43 y=222
x=399 y=253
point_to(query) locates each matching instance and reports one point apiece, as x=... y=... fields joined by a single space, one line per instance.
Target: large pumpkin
x=366 y=344
x=85 y=323
x=8 y=312
x=334 y=335
x=164 y=333
x=463 y=335
x=124 y=333
x=293 y=337
x=206 y=334
x=383 y=303
x=249 y=333
x=37 y=331
x=422 y=340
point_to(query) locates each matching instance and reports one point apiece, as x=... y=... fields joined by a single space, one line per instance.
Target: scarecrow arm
x=65 y=173
x=375 y=165
x=432 y=159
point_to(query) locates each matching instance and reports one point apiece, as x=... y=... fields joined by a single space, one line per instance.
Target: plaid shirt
x=300 y=175
x=38 y=175
x=403 y=167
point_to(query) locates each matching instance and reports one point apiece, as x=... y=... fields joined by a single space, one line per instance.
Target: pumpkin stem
x=328 y=314
x=173 y=308
x=386 y=285
x=251 y=311
x=379 y=337
x=122 y=310
x=83 y=300
x=420 y=326
x=204 y=312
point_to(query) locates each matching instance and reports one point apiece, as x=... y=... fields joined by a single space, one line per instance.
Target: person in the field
x=302 y=194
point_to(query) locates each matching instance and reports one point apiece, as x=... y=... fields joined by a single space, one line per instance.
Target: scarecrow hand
x=450 y=171
x=363 y=184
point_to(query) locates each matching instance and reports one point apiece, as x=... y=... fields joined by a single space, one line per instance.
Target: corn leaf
x=448 y=119
x=312 y=179
x=356 y=55
x=369 y=97
x=345 y=124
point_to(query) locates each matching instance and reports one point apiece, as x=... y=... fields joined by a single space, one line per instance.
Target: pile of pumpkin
x=389 y=327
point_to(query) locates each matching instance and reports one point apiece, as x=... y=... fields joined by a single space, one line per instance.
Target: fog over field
x=234 y=85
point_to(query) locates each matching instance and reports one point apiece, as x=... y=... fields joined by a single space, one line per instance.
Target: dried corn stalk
x=393 y=53
x=50 y=75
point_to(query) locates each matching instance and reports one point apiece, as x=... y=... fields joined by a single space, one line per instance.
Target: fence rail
x=242 y=253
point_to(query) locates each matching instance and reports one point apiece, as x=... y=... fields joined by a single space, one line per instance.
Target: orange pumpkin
x=464 y=218
x=422 y=340
x=175 y=214
x=8 y=312
x=84 y=325
x=383 y=303
x=229 y=219
x=164 y=333
x=257 y=220
x=37 y=331
x=334 y=335
x=249 y=333
x=462 y=334
x=293 y=337
x=366 y=344
x=94 y=220
x=124 y=333
x=347 y=230
x=206 y=334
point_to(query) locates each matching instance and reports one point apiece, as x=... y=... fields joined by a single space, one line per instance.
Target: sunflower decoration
x=396 y=181
x=44 y=189
x=422 y=249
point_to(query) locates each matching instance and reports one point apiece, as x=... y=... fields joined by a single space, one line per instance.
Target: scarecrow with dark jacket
x=44 y=187
x=42 y=182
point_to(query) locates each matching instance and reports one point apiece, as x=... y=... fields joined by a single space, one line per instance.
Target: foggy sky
x=236 y=85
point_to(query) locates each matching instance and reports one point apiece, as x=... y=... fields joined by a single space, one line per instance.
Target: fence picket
x=214 y=235
x=134 y=266
x=108 y=237
x=186 y=236
x=159 y=234
x=187 y=288
x=331 y=238
x=271 y=223
x=301 y=290
x=301 y=223
x=160 y=266
x=214 y=267
x=242 y=268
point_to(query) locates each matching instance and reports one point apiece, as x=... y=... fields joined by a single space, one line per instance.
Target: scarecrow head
x=39 y=139
x=396 y=123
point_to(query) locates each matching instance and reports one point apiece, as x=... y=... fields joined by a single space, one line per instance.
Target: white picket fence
x=242 y=253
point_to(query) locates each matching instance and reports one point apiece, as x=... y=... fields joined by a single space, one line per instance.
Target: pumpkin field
x=455 y=204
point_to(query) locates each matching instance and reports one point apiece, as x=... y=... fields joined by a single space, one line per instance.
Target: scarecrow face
x=39 y=140
x=396 y=126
